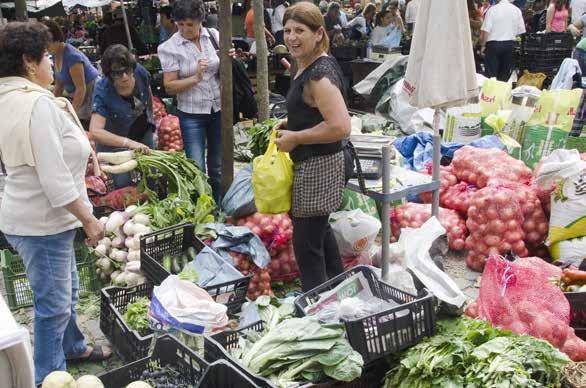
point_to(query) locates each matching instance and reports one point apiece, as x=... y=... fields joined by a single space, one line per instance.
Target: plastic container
x=223 y=374
x=218 y=346
x=552 y=41
x=128 y=344
x=174 y=241
x=18 y=291
x=387 y=332
x=168 y=352
x=577 y=312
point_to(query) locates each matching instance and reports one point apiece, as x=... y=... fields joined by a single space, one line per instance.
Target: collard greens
x=301 y=349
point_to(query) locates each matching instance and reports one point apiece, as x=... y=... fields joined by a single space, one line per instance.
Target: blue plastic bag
x=240 y=239
x=417 y=149
x=239 y=200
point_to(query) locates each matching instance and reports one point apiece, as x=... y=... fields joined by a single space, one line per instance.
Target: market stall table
x=396 y=183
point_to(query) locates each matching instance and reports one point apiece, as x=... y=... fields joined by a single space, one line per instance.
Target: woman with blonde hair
x=313 y=134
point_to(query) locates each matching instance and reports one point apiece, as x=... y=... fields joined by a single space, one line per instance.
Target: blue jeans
x=197 y=130
x=51 y=271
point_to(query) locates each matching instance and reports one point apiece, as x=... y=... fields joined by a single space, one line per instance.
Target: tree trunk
x=262 y=65
x=225 y=24
x=20 y=10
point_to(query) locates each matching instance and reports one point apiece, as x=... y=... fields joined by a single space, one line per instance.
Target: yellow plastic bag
x=272 y=180
x=497 y=122
x=494 y=96
x=532 y=79
x=557 y=107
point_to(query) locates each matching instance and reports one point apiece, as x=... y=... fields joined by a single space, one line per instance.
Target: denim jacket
x=117 y=111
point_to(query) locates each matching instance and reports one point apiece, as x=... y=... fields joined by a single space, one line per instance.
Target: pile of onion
x=458 y=197
x=495 y=222
x=260 y=284
x=413 y=215
x=479 y=165
x=447 y=180
x=276 y=232
x=158 y=110
x=169 y=134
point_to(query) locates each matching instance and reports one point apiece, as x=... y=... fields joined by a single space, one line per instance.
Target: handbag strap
x=356 y=162
x=213 y=39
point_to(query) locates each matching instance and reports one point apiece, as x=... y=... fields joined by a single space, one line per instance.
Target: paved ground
x=89 y=323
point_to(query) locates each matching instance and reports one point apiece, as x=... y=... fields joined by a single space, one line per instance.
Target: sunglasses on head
x=119 y=73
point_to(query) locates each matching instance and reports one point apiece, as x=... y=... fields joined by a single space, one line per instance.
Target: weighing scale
x=369 y=151
x=381 y=53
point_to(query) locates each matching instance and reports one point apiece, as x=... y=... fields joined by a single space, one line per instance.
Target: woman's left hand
x=286 y=141
x=232 y=53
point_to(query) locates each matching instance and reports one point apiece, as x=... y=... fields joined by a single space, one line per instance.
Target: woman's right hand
x=281 y=124
x=136 y=146
x=94 y=231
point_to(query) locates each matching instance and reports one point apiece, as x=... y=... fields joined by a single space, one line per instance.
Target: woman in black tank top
x=318 y=122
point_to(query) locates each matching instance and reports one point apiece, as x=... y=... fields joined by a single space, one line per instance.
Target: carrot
x=570 y=276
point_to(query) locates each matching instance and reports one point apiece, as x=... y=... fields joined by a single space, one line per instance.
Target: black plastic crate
x=577 y=312
x=217 y=346
x=18 y=291
x=344 y=52
x=387 y=332
x=548 y=41
x=223 y=374
x=168 y=352
x=174 y=241
x=128 y=344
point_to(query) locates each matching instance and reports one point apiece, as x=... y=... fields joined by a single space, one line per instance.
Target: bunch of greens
x=470 y=353
x=174 y=210
x=272 y=311
x=259 y=137
x=136 y=315
x=300 y=349
x=184 y=178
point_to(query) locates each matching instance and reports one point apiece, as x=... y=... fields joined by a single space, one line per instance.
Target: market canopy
x=86 y=3
x=441 y=70
x=33 y=6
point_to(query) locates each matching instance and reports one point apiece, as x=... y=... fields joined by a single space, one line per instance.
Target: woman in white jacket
x=45 y=152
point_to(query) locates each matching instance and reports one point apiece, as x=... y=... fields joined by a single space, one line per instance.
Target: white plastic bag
x=569 y=251
x=355 y=231
x=181 y=305
x=462 y=124
x=416 y=244
x=568 y=201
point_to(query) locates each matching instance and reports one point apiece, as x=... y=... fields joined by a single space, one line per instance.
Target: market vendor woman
x=318 y=122
x=123 y=107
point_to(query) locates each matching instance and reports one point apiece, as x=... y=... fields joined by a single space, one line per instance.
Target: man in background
x=411 y=14
x=502 y=24
x=167 y=25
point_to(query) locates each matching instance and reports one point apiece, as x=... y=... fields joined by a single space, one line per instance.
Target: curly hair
x=189 y=9
x=18 y=40
x=55 y=30
x=116 y=55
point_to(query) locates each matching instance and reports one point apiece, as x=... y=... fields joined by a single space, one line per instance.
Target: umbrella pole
x=1 y=17
x=130 y=47
x=435 y=174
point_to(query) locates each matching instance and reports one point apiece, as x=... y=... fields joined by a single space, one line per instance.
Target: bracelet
x=125 y=144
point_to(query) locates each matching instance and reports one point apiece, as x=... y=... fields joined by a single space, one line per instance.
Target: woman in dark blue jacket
x=122 y=111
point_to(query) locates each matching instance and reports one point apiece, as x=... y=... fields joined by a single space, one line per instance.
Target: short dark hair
x=167 y=11
x=116 y=55
x=18 y=39
x=189 y=9
x=55 y=30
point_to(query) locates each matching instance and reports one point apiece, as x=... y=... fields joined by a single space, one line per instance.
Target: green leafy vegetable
x=470 y=353
x=136 y=315
x=259 y=137
x=190 y=274
x=300 y=349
